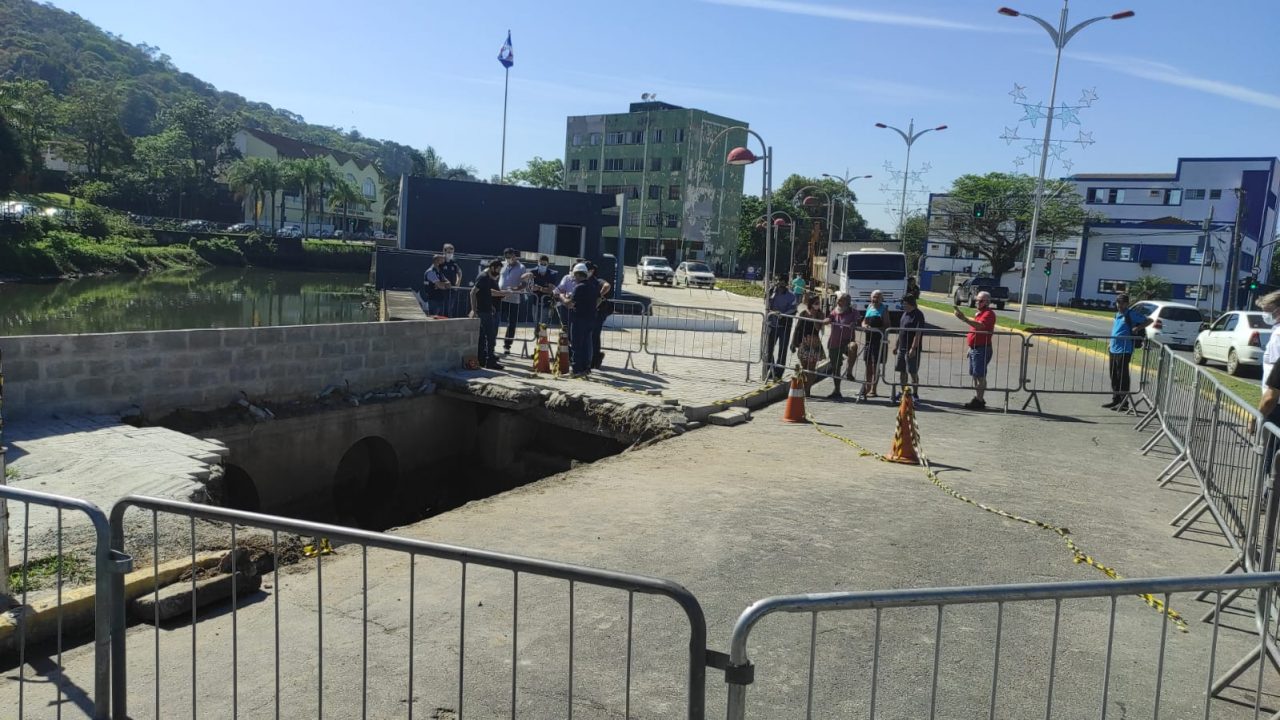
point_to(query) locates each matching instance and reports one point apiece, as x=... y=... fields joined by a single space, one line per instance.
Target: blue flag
x=505 y=56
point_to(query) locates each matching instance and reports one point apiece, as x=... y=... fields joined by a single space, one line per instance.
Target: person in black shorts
x=908 y=346
x=875 y=320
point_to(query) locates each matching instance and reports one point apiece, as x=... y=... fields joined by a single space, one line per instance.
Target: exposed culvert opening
x=238 y=489
x=365 y=483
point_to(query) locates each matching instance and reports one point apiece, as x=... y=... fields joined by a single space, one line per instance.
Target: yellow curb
x=78 y=603
x=1046 y=338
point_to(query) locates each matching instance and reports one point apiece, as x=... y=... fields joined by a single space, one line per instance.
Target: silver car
x=1237 y=339
x=695 y=274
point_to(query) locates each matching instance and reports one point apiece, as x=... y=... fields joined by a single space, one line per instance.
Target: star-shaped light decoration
x=1019 y=161
x=1088 y=96
x=1056 y=149
x=1084 y=139
x=1017 y=92
x=888 y=166
x=926 y=167
x=1033 y=113
x=1010 y=134
x=1068 y=165
x=1066 y=114
x=1033 y=148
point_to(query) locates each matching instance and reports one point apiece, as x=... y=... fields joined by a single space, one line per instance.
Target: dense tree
x=34 y=114
x=13 y=161
x=208 y=137
x=914 y=234
x=250 y=178
x=93 y=125
x=1150 y=287
x=344 y=194
x=1001 y=234
x=539 y=173
x=160 y=172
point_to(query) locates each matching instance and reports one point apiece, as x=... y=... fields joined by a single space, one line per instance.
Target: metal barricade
x=1079 y=365
x=1034 y=650
x=702 y=333
x=357 y=627
x=624 y=328
x=42 y=615
x=1176 y=413
x=858 y=356
x=945 y=363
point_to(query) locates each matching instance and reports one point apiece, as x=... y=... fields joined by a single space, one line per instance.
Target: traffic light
x=1253 y=284
x=980 y=210
x=1048 y=268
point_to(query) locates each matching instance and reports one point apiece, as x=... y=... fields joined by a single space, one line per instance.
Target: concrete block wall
x=160 y=371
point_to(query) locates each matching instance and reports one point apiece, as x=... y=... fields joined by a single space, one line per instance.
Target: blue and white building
x=1154 y=223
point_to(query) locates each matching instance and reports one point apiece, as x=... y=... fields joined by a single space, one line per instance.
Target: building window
x=1195 y=194
x=633 y=219
x=1117 y=197
x=673 y=220
x=595 y=138
x=1172 y=197
x=577 y=139
x=655 y=164
x=1215 y=194
x=1115 y=252
x=655 y=192
x=653 y=219
x=593 y=164
x=1040 y=253
x=615 y=138
x=677 y=163
x=657 y=135
x=610 y=189
x=573 y=188
x=637 y=137
x=673 y=192
x=370 y=190
x=1112 y=287
x=1197 y=292
x=1171 y=254
x=1097 y=195
x=575 y=164
x=633 y=192
x=679 y=135
x=612 y=164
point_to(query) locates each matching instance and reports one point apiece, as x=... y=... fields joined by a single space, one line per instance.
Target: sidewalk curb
x=77 y=613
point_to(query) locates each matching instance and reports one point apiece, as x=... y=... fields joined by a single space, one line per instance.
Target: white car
x=1237 y=338
x=1172 y=323
x=695 y=274
x=652 y=268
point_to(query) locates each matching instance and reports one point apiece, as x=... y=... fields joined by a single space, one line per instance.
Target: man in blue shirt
x=782 y=306
x=583 y=304
x=1126 y=325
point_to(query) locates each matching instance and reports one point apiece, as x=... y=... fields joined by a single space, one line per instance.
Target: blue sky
x=1182 y=78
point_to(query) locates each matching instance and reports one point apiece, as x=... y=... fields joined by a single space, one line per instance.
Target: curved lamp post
x=744 y=156
x=1060 y=36
x=846 y=181
x=909 y=137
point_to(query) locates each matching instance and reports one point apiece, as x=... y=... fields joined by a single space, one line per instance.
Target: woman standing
x=875 y=320
x=807 y=341
x=841 y=345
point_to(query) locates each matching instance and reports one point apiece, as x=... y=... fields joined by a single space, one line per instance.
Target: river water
x=219 y=297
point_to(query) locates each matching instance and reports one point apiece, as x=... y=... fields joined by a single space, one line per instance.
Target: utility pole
x=1236 y=243
x=1204 y=254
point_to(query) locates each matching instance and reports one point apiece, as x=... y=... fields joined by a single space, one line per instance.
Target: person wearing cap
x=603 y=310
x=436 y=286
x=565 y=290
x=583 y=307
x=483 y=294
x=513 y=284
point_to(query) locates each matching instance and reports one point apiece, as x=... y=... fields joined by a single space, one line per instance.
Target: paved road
x=1048 y=317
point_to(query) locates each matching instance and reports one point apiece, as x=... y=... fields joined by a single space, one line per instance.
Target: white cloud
x=898 y=92
x=1171 y=75
x=791 y=7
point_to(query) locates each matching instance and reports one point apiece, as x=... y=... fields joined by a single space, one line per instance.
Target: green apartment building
x=683 y=200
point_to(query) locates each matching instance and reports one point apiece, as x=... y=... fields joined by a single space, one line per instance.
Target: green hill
x=42 y=42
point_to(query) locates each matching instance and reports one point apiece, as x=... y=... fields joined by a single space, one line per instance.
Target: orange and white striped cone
x=794 y=411
x=542 y=358
x=904 y=447
x=562 y=352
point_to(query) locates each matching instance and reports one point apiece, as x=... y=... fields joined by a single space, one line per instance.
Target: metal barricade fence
x=1177 y=413
x=624 y=328
x=1079 y=649
x=41 y=613
x=518 y=319
x=808 y=347
x=1079 y=365
x=702 y=333
x=461 y=613
x=944 y=360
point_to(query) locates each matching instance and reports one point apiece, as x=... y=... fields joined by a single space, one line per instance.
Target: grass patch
x=41 y=574
x=745 y=288
x=11 y=473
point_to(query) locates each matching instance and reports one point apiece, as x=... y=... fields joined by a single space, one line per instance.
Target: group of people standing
x=507 y=291
x=799 y=322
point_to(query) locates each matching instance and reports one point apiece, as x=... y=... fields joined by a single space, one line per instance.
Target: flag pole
x=502 y=168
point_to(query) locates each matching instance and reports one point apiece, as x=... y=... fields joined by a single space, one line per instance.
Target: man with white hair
x=980 y=347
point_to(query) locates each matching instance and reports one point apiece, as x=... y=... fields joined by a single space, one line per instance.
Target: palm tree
x=327 y=177
x=270 y=181
x=243 y=177
x=307 y=174
x=290 y=180
x=345 y=194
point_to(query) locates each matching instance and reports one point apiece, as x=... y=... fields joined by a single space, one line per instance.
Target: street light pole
x=744 y=156
x=846 y=181
x=909 y=137
x=1060 y=37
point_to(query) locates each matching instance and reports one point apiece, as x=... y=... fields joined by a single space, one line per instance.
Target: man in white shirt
x=1270 y=304
x=564 y=292
x=512 y=282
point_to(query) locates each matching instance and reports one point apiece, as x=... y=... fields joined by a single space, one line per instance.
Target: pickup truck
x=967 y=292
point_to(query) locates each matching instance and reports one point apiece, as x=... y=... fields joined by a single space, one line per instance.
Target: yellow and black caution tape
x=1078 y=555
x=769 y=385
x=321 y=547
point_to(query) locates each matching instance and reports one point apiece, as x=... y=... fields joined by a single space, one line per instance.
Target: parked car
x=242 y=228
x=1237 y=338
x=289 y=231
x=1173 y=324
x=694 y=274
x=967 y=292
x=652 y=268
x=197 y=225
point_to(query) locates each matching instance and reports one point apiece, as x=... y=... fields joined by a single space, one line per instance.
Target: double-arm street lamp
x=778 y=223
x=846 y=181
x=808 y=201
x=744 y=156
x=1060 y=36
x=909 y=137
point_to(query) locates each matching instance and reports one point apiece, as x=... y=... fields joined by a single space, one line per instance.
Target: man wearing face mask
x=483 y=296
x=451 y=273
x=543 y=280
x=1126 y=325
x=513 y=284
x=980 y=348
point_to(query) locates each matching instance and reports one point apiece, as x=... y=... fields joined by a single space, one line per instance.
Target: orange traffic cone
x=542 y=358
x=794 y=411
x=904 y=446
x=562 y=352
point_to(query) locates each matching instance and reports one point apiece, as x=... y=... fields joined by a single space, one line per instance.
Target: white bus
x=859 y=273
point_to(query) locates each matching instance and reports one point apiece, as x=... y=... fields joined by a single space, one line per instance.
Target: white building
x=1153 y=223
